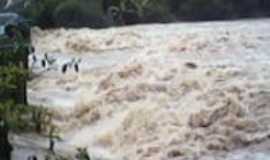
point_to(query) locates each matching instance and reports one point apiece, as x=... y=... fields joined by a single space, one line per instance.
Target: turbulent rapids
x=161 y=91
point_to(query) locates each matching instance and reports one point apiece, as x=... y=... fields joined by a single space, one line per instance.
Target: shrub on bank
x=92 y=13
x=41 y=12
x=218 y=9
x=73 y=13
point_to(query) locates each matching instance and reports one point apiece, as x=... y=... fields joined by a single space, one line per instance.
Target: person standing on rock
x=43 y=63
x=64 y=68
x=76 y=65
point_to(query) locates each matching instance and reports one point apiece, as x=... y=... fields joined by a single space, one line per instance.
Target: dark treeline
x=104 y=13
x=219 y=9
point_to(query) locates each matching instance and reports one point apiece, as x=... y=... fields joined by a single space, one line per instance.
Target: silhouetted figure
x=73 y=64
x=49 y=60
x=43 y=63
x=76 y=67
x=64 y=68
x=34 y=58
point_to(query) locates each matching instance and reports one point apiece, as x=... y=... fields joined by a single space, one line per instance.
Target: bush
x=218 y=9
x=92 y=13
x=203 y=9
x=154 y=15
x=13 y=74
x=74 y=13
x=41 y=12
x=107 y=3
x=15 y=117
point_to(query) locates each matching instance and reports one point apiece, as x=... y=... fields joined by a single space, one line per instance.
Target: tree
x=15 y=117
x=41 y=12
x=5 y=146
x=79 y=13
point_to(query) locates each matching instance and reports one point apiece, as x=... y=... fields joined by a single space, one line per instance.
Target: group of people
x=74 y=63
x=47 y=61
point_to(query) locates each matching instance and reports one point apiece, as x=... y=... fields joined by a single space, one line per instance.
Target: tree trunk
x=5 y=146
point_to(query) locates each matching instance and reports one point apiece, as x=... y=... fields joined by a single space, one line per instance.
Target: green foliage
x=217 y=9
x=42 y=119
x=90 y=13
x=41 y=12
x=204 y=9
x=11 y=82
x=13 y=76
x=161 y=5
x=69 y=13
x=82 y=154
x=76 y=13
x=18 y=117
x=9 y=76
x=157 y=11
x=153 y=10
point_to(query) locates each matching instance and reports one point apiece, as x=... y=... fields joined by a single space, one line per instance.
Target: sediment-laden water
x=161 y=91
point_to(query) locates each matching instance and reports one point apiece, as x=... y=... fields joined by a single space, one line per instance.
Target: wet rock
x=151 y=151
x=174 y=153
x=191 y=65
x=200 y=119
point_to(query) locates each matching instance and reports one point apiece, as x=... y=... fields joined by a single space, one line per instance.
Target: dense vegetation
x=95 y=13
x=15 y=115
